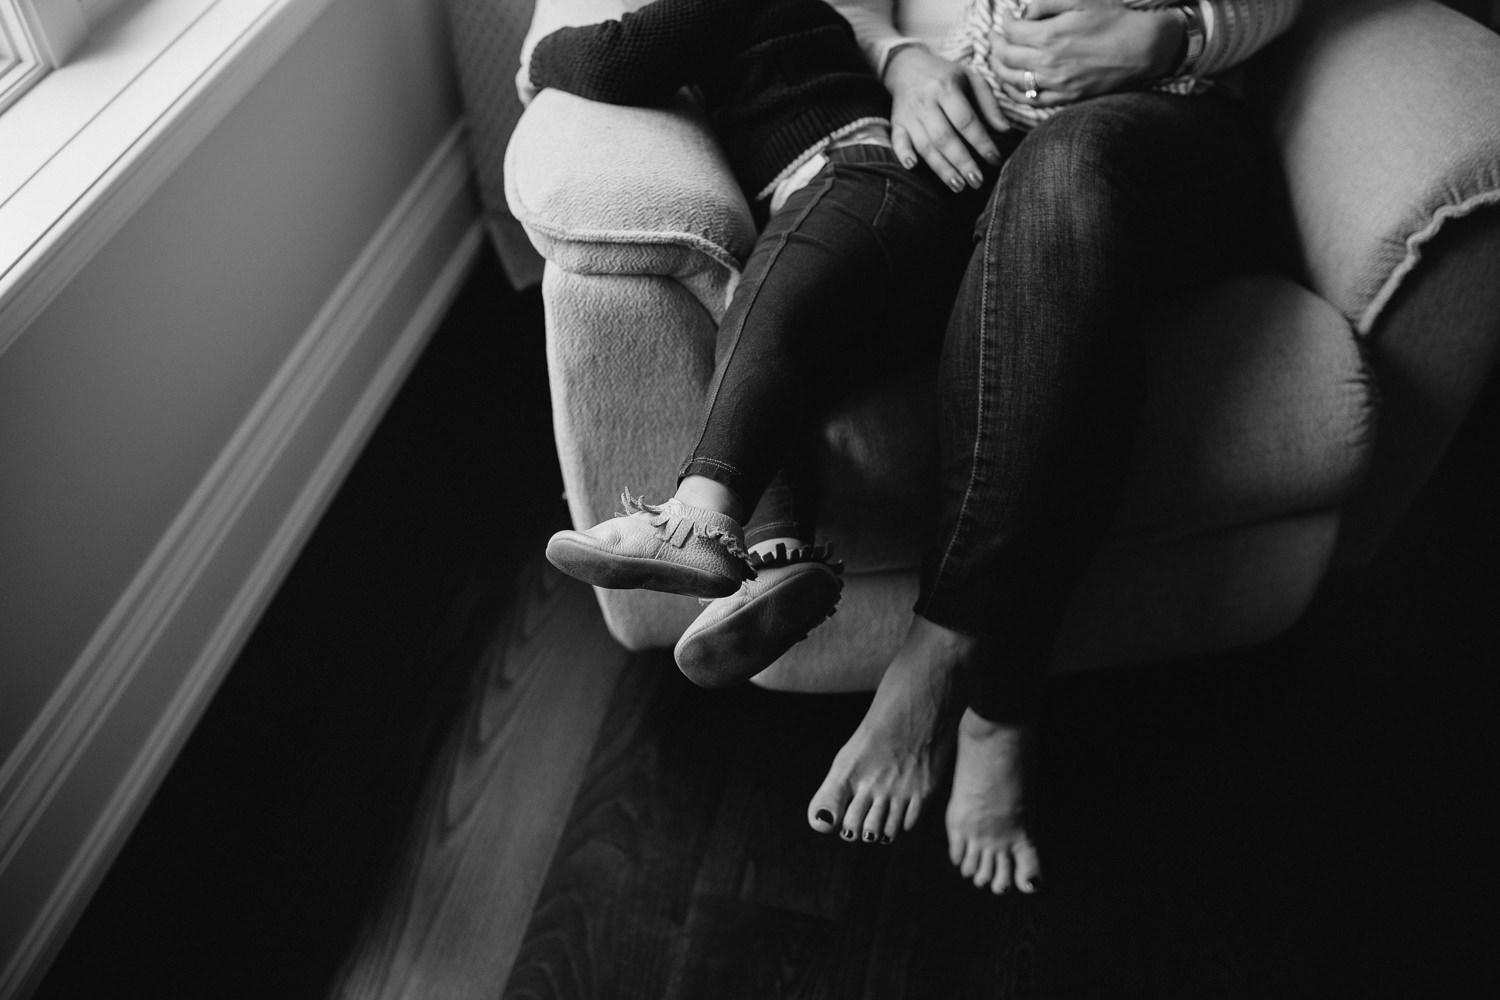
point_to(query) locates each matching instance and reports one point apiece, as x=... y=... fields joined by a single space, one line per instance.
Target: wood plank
x=453 y=916
x=609 y=920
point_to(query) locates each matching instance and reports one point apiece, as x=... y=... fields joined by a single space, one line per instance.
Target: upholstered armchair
x=1291 y=416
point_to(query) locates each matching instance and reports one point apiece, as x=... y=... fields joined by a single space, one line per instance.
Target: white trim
x=435 y=233
x=63 y=198
x=57 y=27
x=20 y=64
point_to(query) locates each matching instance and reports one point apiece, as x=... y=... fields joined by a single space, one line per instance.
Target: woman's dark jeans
x=851 y=278
x=1100 y=211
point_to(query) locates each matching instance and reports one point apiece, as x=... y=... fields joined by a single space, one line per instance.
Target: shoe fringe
x=677 y=529
x=801 y=554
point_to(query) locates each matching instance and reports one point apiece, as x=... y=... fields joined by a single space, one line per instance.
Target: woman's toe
x=894 y=817
x=913 y=812
x=970 y=863
x=1028 y=867
x=1002 y=879
x=826 y=811
x=986 y=869
x=957 y=848
x=875 y=821
x=854 y=817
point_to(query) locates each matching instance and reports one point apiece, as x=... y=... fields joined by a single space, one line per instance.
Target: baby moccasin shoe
x=672 y=547
x=738 y=636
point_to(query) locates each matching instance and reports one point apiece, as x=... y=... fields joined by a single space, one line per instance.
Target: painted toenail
x=824 y=816
x=885 y=840
x=848 y=834
x=869 y=838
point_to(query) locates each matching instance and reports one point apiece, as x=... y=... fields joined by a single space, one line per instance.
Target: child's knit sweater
x=779 y=78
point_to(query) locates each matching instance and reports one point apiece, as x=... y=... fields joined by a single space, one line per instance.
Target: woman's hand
x=933 y=114
x=1071 y=49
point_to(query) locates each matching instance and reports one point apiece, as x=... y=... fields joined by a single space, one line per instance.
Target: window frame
x=36 y=36
x=89 y=144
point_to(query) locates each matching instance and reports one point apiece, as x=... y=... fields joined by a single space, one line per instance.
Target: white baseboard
x=73 y=788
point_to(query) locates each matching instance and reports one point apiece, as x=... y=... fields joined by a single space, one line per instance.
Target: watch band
x=1193 y=36
x=893 y=48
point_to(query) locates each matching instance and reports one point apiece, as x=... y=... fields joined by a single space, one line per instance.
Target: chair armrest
x=603 y=189
x=1387 y=123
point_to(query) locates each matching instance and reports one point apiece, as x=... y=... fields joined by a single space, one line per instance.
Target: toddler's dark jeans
x=853 y=277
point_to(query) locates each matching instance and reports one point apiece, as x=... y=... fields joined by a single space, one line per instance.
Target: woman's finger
x=1031 y=34
x=901 y=144
x=1036 y=10
x=969 y=132
x=1005 y=53
x=1052 y=88
x=984 y=98
x=1043 y=99
x=933 y=155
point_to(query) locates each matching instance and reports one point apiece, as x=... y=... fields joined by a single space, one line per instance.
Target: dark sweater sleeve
x=646 y=56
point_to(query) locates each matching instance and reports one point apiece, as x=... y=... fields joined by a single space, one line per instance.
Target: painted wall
x=134 y=393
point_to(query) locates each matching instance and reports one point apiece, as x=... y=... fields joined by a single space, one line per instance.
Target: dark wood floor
x=431 y=774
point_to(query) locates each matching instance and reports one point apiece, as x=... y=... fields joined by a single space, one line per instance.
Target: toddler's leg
x=795 y=589
x=817 y=276
x=853 y=275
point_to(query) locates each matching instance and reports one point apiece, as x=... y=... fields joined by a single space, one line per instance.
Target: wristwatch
x=1193 y=35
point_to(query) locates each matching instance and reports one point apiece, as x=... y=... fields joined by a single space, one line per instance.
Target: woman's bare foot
x=986 y=819
x=882 y=776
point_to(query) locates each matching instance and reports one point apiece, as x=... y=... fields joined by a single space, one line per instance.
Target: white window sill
x=88 y=144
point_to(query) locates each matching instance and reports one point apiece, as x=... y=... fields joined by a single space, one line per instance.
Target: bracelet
x=905 y=43
x=1193 y=35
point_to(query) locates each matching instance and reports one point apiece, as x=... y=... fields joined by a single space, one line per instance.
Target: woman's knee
x=1079 y=150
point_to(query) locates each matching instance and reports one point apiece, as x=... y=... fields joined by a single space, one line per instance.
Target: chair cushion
x=1387 y=124
x=629 y=191
x=1258 y=404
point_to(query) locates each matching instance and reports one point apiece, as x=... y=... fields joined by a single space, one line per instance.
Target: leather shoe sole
x=583 y=557
x=737 y=637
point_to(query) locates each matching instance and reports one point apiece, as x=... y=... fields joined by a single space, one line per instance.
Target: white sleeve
x=881 y=25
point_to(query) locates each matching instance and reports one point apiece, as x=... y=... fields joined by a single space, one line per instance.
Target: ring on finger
x=1031 y=92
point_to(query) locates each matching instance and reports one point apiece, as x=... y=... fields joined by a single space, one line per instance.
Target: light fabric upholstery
x=1260 y=420
x=1385 y=113
x=487 y=42
x=689 y=222
x=1258 y=408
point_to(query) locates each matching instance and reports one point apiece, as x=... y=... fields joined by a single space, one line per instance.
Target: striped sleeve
x=1234 y=30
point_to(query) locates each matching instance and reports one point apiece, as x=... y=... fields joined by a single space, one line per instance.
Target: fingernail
x=975 y=178
x=993 y=156
x=824 y=816
x=955 y=184
x=909 y=162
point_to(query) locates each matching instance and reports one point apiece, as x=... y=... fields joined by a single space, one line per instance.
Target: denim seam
x=728 y=467
x=981 y=415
